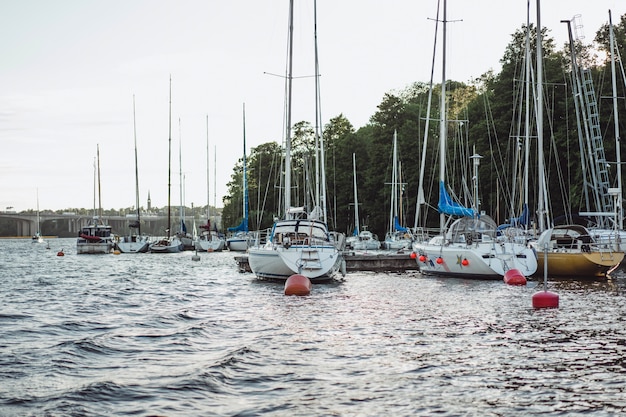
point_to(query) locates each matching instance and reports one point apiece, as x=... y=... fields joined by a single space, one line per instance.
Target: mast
x=208 y=195
x=289 y=80
x=136 y=171
x=181 y=208
x=169 y=166
x=618 y=208
x=443 y=127
x=540 y=166
x=99 y=192
x=215 y=180
x=394 y=183
x=356 y=198
x=38 y=218
x=420 y=188
x=527 y=111
x=320 y=165
x=245 y=175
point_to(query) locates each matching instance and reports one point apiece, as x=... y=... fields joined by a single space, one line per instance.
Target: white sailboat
x=169 y=243
x=241 y=238
x=37 y=237
x=209 y=240
x=96 y=237
x=134 y=241
x=299 y=243
x=470 y=247
x=397 y=237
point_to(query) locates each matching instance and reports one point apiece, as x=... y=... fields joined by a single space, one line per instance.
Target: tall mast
x=245 y=174
x=420 y=188
x=541 y=209
x=169 y=166
x=443 y=128
x=321 y=160
x=356 y=197
x=618 y=208
x=289 y=80
x=208 y=195
x=99 y=192
x=136 y=171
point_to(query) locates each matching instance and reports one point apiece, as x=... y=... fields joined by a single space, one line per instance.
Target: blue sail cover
x=451 y=208
x=242 y=227
x=522 y=220
x=396 y=225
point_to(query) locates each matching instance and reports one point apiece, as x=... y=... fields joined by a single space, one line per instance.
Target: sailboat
x=397 y=237
x=241 y=238
x=209 y=240
x=299 y=243
x=360 y=239
x=96 y=237
x=470 y=247
x=37 y=237
x=169 y=243
x=134 y=242
x=569 y=250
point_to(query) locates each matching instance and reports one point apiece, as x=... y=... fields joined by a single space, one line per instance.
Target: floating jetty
x=376 y=261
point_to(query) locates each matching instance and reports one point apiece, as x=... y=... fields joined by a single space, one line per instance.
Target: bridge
x=26 y=223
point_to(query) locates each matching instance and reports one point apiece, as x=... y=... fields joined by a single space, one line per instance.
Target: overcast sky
x=70 y=68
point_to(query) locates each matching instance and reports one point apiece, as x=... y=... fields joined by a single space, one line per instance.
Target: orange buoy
x=439 y=260
x=464 y=262
x=297 y=284
x=514 y=277
x=545 y=299
x=116 y=252
x=60 y=253
x=413 y=255
x=422 y=258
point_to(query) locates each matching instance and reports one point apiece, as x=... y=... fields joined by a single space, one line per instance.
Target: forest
x=485 y=116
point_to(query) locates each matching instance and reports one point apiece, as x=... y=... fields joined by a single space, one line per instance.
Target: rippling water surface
x=160 y=334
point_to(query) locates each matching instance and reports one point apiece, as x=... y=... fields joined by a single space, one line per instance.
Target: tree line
x=484 y=117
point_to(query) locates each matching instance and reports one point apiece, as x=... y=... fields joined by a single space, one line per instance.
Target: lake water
x=160 y=334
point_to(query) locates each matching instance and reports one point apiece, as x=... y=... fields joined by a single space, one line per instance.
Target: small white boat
x=171 y=244
x=209 y=240
x=366 y=240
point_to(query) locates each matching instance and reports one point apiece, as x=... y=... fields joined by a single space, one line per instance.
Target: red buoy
x=60 y=253
x=464 y=262
x=439 y=260
x=413 y=255
x=422 y=258
x=545 y=299
x=514 y=277
x=297 y=284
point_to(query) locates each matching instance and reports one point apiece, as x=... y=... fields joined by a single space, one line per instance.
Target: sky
x=69 y=70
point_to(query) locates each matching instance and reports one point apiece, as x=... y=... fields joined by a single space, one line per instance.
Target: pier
x=375 y=261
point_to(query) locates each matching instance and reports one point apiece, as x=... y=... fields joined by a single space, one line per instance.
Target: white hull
x=397 y=244
x=371 y=245
x=239 y=243
x=174 y=245
x=139 y=245
x=275 y=262
x=481 y=260
x=91 y=248
x=215 y=245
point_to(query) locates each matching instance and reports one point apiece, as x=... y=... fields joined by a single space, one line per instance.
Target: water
x=150 y=334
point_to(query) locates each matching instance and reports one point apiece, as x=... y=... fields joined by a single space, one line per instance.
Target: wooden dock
x=376 y=261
